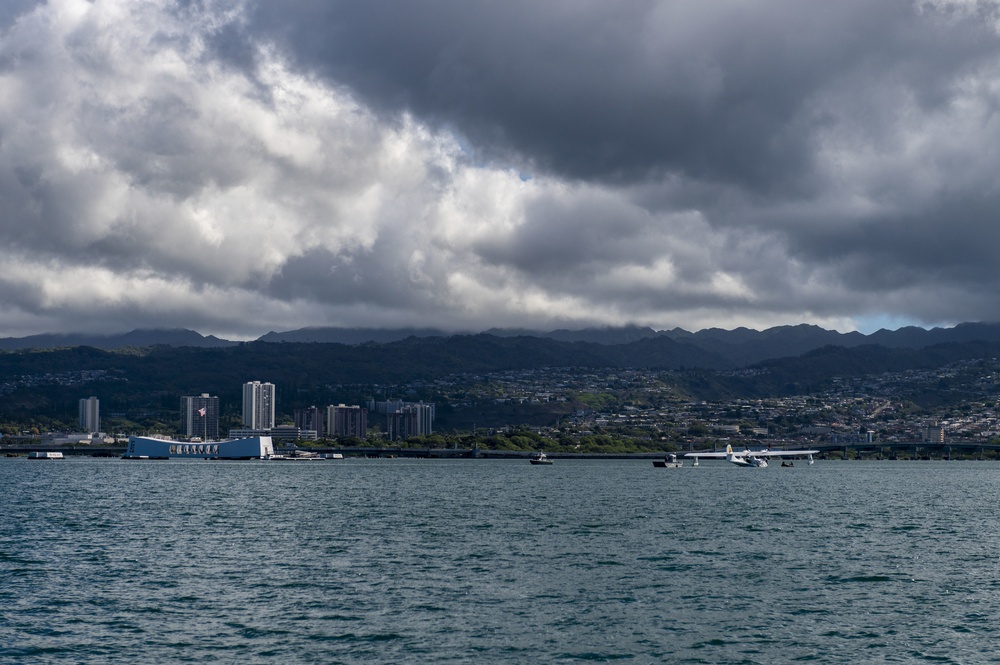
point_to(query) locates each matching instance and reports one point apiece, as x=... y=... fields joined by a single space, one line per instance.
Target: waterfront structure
x=343 y=420
x=310 y=419
x=145 y=447
x=200 y=417
x=90 y=415
x=258 y=405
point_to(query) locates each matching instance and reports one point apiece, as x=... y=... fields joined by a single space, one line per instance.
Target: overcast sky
x=240 y=166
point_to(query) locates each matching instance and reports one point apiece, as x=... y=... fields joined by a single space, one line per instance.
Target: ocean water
x=495 y=561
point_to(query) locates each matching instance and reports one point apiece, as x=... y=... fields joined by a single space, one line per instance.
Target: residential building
x=310 y=419
x=343 y=420
x=258 y=405
x=934 y=434
x=200 y=417
x=410 y=420
x=90 y=415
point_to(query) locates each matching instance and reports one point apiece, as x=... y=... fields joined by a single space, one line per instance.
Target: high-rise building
x=404 y=419
x=200 y=417
x=934 y=433
x=90 y=414
x=343 y=420
x=310 y=419
x=410 y=420
x=258 y=405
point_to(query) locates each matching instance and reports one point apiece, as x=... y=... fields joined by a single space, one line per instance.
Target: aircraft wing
x=708 y=455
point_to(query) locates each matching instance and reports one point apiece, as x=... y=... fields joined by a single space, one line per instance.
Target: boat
x=296 y=456
x=668 y=462
x=44 y=455
x=540 y=458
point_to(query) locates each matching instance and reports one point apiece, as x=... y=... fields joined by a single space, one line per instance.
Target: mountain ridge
x=709 y=348
x=139 y=337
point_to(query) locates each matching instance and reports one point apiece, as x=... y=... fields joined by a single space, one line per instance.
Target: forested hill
x=51 y=381
x=181 y=370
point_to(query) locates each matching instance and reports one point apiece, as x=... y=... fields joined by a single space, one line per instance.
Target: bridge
x=914 y=450
x=897 y=450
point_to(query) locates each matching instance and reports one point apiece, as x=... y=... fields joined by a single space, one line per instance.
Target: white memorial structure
x=145 y=447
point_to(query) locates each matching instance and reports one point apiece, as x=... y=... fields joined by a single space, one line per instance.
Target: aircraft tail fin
x=729 y=451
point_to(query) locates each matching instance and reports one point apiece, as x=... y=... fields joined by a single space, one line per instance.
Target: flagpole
x=203 y=412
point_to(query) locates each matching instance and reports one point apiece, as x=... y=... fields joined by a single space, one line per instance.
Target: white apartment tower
x=90 y=415
x=258 y=405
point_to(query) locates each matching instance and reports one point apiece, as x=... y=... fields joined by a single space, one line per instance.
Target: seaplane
x=754 y=458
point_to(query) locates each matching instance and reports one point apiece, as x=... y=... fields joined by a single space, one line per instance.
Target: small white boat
x=296 y=456
x=540 y=458
x=668 y=462
x=44 y=455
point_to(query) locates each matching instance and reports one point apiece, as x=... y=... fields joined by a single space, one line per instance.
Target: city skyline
x=229 y=167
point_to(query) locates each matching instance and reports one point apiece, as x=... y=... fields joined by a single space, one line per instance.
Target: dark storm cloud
x=721 y=91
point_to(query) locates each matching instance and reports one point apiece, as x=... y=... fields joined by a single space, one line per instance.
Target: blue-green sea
x=496 y=561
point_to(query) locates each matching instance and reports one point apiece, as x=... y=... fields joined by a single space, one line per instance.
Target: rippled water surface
x=488 y=561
